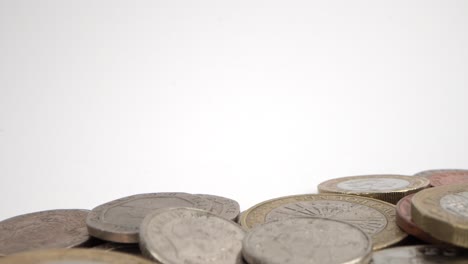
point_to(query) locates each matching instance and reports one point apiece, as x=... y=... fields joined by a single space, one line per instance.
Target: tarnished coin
x=224 y=207
x=187 y=235
x=43 y=230
x=428 y=254
x=132 y=249
x=445 y=177
x=375 y=217
x=443 y=213
x=306 y=240
x=72 y=256
x=119 y=220
x=389 y=188
x=404 y=221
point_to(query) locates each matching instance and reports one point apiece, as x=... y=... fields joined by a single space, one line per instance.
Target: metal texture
x=375 y=217
x=445 y=177
x=307 y=240
x=187 y=235
x=389 y=188
x=132 y=249
x=222 y=206
x=43 y=230
x=119 y=220
x=427 y=254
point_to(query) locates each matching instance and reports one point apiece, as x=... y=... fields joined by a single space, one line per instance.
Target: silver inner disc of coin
x=373 y=185
x=456 y=203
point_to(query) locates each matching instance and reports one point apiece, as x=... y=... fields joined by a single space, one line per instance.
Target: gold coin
x=443 y=212
x=375 y=217
x=389 y=188
x=72 y=256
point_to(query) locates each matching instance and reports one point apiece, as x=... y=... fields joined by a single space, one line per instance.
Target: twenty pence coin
x=119 y=220
x=445 y=177
x=72 y=256
x=307 y=240
x=389 y=188
x=222 y=206
x=43 y=230
x=187 y=235
x=443 y=212
x=428 y=254
x=374 y=217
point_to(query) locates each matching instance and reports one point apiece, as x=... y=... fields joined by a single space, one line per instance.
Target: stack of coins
x=350 y=220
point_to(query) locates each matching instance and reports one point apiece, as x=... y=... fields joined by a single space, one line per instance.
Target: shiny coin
x=404 y=221
x=119 y=220
x=224 y=207
x=389 y=188
x=445 y=177
x=443 y=213
x=375 y=217
x=42 y=230
x=132 y=249
x=187 y=235
x=72 y=256
x=306 y=240
x=428 y=254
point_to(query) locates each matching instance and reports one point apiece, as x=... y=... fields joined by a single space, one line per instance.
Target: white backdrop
x=246 y=99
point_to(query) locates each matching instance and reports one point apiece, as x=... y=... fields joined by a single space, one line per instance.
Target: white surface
x=246 y=99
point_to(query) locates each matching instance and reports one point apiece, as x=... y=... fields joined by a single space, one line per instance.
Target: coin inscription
x=456 y=203
x=382 y=184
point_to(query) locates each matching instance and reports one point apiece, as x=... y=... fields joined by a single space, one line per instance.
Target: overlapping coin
x=427 y=254
x=223 y=206
x=445 y=176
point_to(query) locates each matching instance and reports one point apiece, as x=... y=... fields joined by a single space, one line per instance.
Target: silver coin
x=306 y=240
x=224 y=207
x=119 y=220
x=429 y=254
x=187 y=235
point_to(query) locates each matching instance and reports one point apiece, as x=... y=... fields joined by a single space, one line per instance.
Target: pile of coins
x=351 y=220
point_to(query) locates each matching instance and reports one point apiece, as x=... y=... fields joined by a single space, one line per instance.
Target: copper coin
x=445 y=177
x=403 y=220
x=119 y=220
x=43 y=230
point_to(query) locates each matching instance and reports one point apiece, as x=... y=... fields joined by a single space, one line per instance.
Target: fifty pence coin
x=443 y=213
x=73 y=256
x=42 y=230
x=428 y=254
x=445 y=177
x=306 y=240
x=389 y=188
x=224 y=207
x=374 y=217
x=119 y=220
x=187 y=235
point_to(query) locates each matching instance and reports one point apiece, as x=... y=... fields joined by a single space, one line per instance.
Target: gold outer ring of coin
x=428 y=213
x=74 y=255
x=392 y=234
x=391 y=195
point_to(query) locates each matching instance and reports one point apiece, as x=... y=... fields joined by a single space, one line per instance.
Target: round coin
x=72 y=256
x=119 y=220
x=428 y=254
x=389 y=188
x=187 y=235
x=306 y=240
x=443 y=213
x=132 y=249
x=375 y=217
x=224 y=207
x=43 y=230
x=445 y=177
x=404 y=221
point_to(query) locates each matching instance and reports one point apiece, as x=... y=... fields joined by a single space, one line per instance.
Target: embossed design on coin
x=456 y=203
x=42 y=230
x=376 y=217
x=224 y=207
x=307 y=240
x=445 y=176
x=373 y=184
x=428 y=254
x=119 y=220
x=187 y=235
x=73 y=256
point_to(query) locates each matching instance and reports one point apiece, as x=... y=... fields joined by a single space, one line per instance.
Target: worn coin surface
x=445 y=176
x=375 y=217
x=119 y=220
x=389 y=188
x=132 y=249
x=42 y=230
x=428 y=254
x=443 y=212
x=223 y=207
x=306 y=240
x=188 y=235
x=72 y=256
